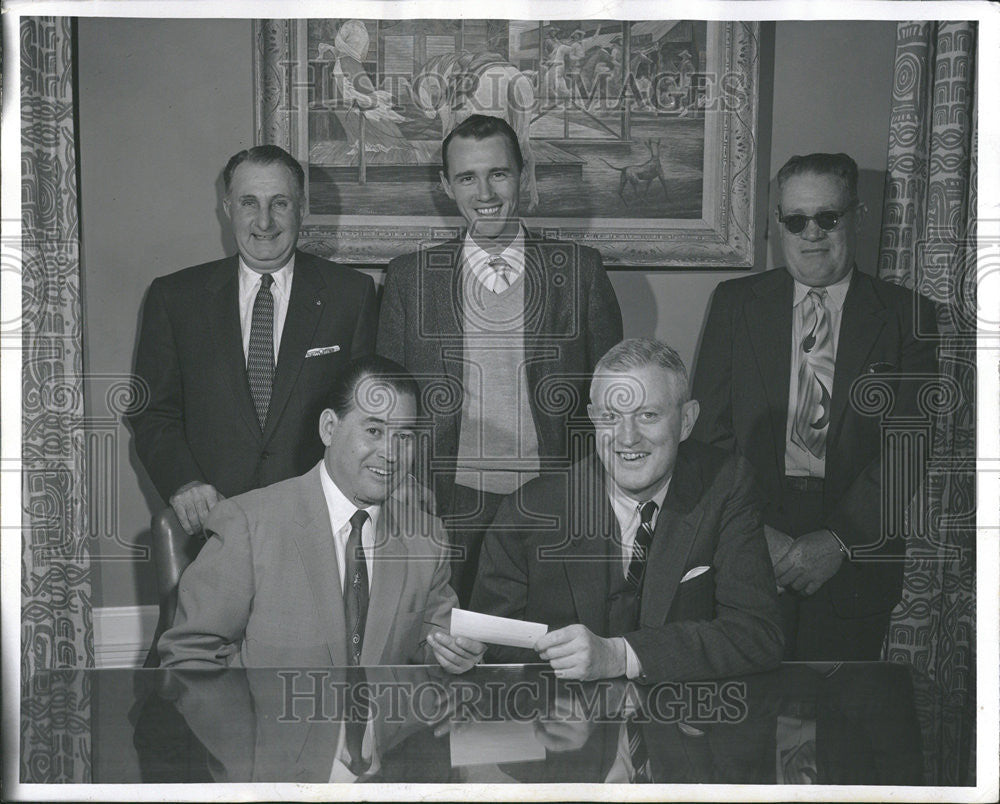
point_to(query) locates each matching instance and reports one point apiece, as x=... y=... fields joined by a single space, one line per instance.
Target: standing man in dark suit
x=238 y=354
x=502 y=330
x=647 y=560
x=780 y=353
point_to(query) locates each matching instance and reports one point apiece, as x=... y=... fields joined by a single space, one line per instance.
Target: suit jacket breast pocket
x=695 y=599
x=319 y=371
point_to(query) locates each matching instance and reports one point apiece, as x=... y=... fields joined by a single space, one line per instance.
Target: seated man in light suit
x=327 y=568
x=648 y=560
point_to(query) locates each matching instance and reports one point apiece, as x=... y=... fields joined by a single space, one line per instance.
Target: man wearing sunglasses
x=780 y=354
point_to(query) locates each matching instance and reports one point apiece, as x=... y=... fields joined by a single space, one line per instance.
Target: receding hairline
x=512 y=153
x=265 y=155
x=679 y=381
x=297 y=191
x=480 y=127
x=839 y=166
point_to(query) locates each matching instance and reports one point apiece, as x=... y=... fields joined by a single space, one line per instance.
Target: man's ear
x=328 y=421
x=447 y=186
x=689 y=415
x=860 y=214
x=227 y=206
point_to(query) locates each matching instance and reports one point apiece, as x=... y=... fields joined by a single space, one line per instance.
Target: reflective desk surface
x=852 y=723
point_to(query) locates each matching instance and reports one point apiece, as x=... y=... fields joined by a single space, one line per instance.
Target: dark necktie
x=355 y=588
x=643 y=536
x=359 y=697
x=815 y=377
x=260 y=353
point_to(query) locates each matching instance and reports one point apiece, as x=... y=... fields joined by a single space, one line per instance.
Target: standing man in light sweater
x=502 y=330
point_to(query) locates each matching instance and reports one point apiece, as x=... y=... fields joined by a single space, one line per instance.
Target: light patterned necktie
x=501 y=277
x=260 y=353
x=815 y=379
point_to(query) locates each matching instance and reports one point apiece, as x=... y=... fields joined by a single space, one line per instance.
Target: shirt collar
x=836 y=293
x=477 y=258
x=342 y=509
x=249 y=278
x=626 y=507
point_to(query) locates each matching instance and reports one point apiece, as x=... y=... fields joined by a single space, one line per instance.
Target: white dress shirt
x=341 y=510
x=477 y=260
x=340 y=770
x=798 y=461
x=627 y=513
x=280 y=290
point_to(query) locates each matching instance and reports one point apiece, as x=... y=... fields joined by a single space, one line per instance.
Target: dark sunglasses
x=825 y=220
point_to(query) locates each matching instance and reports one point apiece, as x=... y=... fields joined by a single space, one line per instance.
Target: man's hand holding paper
x=578 y=653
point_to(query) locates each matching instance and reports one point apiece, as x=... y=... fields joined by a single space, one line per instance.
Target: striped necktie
x=815 y=376
x=643 y=537
x=260 y=353
x=638 y=751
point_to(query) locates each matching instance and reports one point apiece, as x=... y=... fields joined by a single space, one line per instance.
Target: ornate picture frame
x=640 y=136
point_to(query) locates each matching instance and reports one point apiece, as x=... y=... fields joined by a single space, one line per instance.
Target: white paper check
x=483 y=743
x=495 y=630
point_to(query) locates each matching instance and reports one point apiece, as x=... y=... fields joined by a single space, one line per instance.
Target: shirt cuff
x=632 y=667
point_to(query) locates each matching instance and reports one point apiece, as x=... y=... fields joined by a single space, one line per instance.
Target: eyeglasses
x=826 y=220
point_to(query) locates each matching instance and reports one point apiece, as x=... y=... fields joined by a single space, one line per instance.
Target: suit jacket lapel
x=590 y=551
x=313 y=537
x=673 y=537
x=860 y=327
x=305 y=308
x=769 y=320
x=388 y=578
x=224 y=316
x=315 y=753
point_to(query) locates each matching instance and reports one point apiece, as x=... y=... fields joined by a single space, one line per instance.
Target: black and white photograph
x=524 y=402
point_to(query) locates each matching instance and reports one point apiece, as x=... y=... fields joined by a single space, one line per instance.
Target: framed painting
x=639 y=136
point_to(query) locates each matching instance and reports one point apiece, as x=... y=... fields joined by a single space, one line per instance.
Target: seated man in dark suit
x=648 y=560
x=327 y=568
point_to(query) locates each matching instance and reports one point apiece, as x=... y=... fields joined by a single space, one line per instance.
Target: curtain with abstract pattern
x=57 y=626
x=928 y=243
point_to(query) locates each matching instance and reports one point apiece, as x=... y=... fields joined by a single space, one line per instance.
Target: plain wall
x=831 y=91
x=164 y=103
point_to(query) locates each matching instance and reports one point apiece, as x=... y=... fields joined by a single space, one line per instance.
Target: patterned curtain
x=57 y=626
x=928 y=243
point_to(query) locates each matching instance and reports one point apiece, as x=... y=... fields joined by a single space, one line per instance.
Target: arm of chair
x=173 y=550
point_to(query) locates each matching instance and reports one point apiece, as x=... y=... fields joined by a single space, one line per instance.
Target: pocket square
x=694 y=573
x=316 y=351
x=880 y=368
